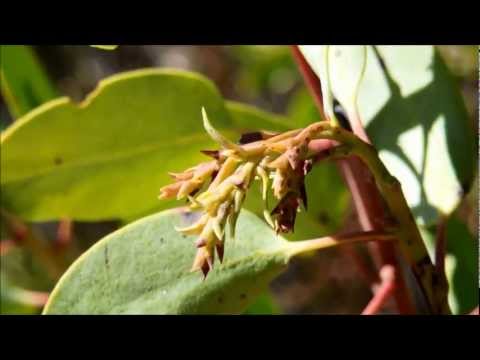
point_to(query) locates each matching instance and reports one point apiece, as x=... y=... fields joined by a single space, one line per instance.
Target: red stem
x=7 y=245
x=441 y=246
x=383 y=293
x=34 y=298
x=64 y=234
x=367 y=200
x=474 y=312
x=310 y=79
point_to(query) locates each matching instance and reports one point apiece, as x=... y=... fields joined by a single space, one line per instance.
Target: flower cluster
x=218 y=188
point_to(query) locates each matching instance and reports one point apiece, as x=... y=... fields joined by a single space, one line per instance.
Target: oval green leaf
x=144 y=268
x=108 y=156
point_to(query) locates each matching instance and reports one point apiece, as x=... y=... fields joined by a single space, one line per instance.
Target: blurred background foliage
x=264 y=76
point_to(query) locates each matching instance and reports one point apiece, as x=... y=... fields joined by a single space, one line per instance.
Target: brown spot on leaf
x=106 y=259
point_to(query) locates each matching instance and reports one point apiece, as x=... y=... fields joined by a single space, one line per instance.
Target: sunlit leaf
x=108 y=156
x=415 y=116
x=105 y=47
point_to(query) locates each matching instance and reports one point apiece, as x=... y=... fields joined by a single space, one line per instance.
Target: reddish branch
x=7 y=245
x=33 y=298
x=384 y=291
x=474 y=312
x=441 y=246
x=64 y=234
x=371 y=277
x=365 y=195
x=310 y=79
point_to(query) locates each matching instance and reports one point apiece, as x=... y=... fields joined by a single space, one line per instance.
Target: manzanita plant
x=215 y=255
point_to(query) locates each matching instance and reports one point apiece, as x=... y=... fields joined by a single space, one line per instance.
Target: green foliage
x=12 y=299
x=302 y=109
x=247 y=118
x=24 y=270
x=461 y=264
x=105 y=47
x=24 y=84
x=144 y=268
x=415 y=116
x=263 y=69
x=124 y=133
x=107 y=157
x=264 y=305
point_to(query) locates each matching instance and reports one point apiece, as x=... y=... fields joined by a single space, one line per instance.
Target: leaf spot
x=105 y=254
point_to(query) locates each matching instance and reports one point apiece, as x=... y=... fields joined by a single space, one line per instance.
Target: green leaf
x=12 y=299
x=247 y=118
x=263 y=68
x=414 y=114
x=24 y=270
x=24 y=84
x=108 y=156
x=264 y=305
x=144 y=269
x=105 y=47
x=302 y=109
x=461 y=264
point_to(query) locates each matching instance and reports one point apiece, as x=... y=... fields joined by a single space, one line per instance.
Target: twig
x=441 y=246
x=7 y=245
x=383 y=293
x=310 y=78
x=64 y=234
x=33 y=298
